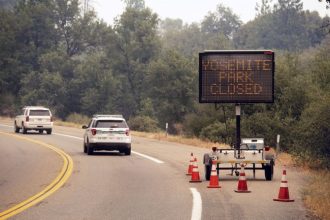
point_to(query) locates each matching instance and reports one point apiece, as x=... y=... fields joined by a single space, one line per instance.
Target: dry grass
x=285 y=159
x=179 y=139
x=6 y=119
x=67 y=124
x=317 y=194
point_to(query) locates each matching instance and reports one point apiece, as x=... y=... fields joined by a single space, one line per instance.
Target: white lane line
x=134 y=152
x=69 y=136
x=148 y=157
x=196 y=213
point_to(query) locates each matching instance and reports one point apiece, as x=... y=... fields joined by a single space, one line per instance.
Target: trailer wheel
x=208 y=171
x=269 y=171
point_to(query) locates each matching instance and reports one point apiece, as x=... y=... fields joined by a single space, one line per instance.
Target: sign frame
x=233 y=53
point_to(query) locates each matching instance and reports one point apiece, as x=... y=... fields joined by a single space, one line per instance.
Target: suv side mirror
x=84 y=127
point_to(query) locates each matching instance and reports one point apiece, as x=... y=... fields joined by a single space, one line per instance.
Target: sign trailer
x=236 y=76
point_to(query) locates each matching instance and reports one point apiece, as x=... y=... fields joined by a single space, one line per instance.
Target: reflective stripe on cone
x=195 y=173
x=242 y=183
x=283 y=194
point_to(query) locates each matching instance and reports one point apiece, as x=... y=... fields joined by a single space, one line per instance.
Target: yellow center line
x=50 y=189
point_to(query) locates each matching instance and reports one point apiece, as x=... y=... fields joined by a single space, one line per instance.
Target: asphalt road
x=149 y=184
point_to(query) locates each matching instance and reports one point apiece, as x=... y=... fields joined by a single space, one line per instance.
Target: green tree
x=8 y=4
x=27 y=32
x=292 y=86
x=170 y=25
x=320 y=66
x=205 y=117
x=9 y=68
x=188 y=39
x=79 y=33
x=143 y=123
x=312 y=141
x=263 y=8
x=172 y=87
x=93 y=89
x=219 y=132
x=286 y=27
x=43 y=89
x=311 y=136
x=136 y=44
x=36 y=30
x=223 y=21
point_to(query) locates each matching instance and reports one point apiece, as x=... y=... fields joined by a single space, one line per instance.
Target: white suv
x=107 y=132
x=36 y=118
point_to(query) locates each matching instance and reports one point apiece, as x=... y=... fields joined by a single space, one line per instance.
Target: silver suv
x=107 y=132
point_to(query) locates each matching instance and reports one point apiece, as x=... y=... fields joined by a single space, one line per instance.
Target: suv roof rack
x=110 y=116
x=34 y=106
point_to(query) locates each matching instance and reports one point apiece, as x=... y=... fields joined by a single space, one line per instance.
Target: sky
x=193 y=10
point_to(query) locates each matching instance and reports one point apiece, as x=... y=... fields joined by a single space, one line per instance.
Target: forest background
x=55 y=54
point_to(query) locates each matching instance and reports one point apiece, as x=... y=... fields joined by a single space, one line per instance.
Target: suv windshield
x=39 y=113
x=111 y=124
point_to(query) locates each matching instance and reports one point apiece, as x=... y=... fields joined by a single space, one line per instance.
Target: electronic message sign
x=236 y=77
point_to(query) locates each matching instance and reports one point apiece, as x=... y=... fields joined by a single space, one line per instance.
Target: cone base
x=242 y=191
x=214 y=187
x=195 y=181
x=284 y=200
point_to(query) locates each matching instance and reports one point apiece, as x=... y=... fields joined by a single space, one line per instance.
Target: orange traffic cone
x=283 y=194
x=190 y=167
x=242 y=183
x=214 y=179
x=195 y=173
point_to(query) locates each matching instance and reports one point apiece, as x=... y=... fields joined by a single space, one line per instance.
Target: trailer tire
x=269 y=171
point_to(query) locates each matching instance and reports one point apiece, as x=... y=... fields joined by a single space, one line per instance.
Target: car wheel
x=90 y=149
x=24 y=130
x=128 y=150
x=16 y=128
x=49 y=131
x=85 y=148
